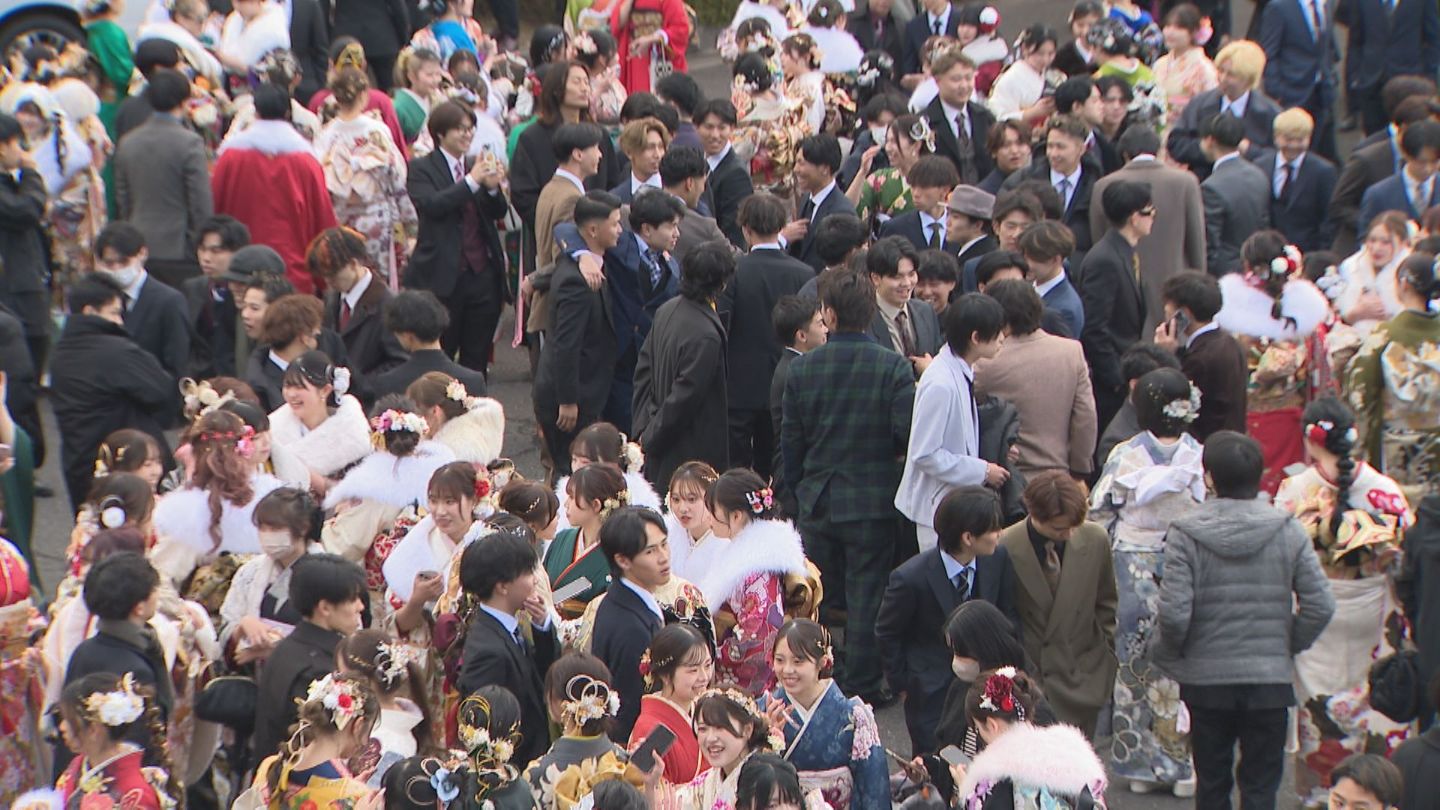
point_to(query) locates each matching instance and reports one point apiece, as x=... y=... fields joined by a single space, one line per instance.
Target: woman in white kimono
x=472 y=427
x=694 y=548
x=320 y=430
x=414 y=568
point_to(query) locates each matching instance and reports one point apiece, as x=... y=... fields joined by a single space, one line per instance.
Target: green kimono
x=563 y=568
x=111 y=49
x=1392 y=385
x=411 y=111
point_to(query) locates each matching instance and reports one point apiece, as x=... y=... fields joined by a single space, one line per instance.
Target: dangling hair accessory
x=1287 y=264
x=1000 y=693
x=341 y=699
x=119 y=708
x=588 y=699
x=921 y=132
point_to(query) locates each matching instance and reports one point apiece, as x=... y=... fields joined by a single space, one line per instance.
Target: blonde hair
x=635 y=133
x=1294 y=123
x=1246 y=59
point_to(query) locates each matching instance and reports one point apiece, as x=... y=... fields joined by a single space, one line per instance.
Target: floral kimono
x=328 y=786
x=1394 y=386
x=1334 y=715
x=683 y=762
x=365 y=174
x=121 y=782
x=1145 y=485
x=884 y=195
x=836 y=748
x=22 y=680
x=639 y=72
x=565 y=563
x=768 y=138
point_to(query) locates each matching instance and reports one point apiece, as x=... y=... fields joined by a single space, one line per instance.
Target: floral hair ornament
x=633 y=455
x=118 y=708
x=201 y=398
x=340 y=380
x=487 y=752
x=1319 y=432
x=393 y=661
x=1287 y=264
x=112 y=512
x=1205 y=32
x=1186 y=410
x=456 y=392
x=393 y=421
x=341 y=698
x=244 y=439
x=1000 y=693
x=622 y=498
x=482 y=487
x=584 y=43
x=646 y=671
x=588 y=699
x=760 y=499
x=921 y=132
x=989 y=20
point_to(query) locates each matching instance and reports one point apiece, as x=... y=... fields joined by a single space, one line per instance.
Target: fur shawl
x=763 y=546
x=397 y=482
x=268 y=138
x=1056 y=758
x=184 y=516
x=413 y=554
x=641 y=494
x=340 y=441
x=476 y=435
x=1246 y=310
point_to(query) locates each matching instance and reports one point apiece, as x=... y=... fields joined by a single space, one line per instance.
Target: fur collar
x=1057 y=758
x=641 y=494
x=476 y=435
x=1246 y=310
x=397 y=482
x=269 y=138
x=184 y=517
x=340 y=441
x=764 y=545
x=411 y=556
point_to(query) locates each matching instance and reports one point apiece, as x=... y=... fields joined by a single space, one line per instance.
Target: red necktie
x=344 y=313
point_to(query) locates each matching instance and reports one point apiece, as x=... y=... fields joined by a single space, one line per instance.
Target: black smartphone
x=1180 y=322
x=655 y=745
x=954 y=756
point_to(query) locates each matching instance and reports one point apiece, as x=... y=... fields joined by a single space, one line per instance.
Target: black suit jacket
x=1077 y=215
x=928 y=336
x=578 y=361
x=1183 y=142
x=916 y=32
x=910 y=226
x=1296 y=62
x=624 y=625
x=1114 y=309
x=1302 y=214
x=397 y=379
x=371 y=347
x=978 y=249
x=1387 y=42
x=310 y=42
x=777 y=415
x=1216 y=363
x=891 y=39
x=439 y=200
x=305 y=655
x=981 y=120
x=1365 y=168
x=680 y=400
x=493 y=658
x=382 y=26
x=728 y=186
x=212 y=329
x=159 y=322
x=834 y=203
x=762 y=277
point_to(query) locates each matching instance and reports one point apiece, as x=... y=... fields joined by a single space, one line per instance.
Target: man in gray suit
x=162 y=180
x=1236 y=194
x=1179 y=219
x=682 y=173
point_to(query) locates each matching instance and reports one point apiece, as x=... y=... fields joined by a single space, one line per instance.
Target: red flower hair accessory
x=760 y=500
x=482 y=488
x=1000 y=693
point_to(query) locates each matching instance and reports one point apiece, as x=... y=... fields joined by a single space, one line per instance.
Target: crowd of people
x=1077 y=392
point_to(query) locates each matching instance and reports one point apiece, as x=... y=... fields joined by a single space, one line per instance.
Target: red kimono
x=120 y=785
x=683 y=761
x=646 y=17
x=267 y=178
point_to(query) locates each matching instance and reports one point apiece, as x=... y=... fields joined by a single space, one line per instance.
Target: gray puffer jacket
x=1228 y=615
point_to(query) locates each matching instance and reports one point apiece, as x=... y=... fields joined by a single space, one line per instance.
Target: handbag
x=660 y=66
x=1396 y=687
x=231 y=701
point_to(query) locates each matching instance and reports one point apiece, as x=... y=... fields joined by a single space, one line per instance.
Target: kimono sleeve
x=867 y=760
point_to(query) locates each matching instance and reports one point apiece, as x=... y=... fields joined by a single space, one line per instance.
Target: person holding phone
x=1211 y=357
x=677 y=668
x=412 y=568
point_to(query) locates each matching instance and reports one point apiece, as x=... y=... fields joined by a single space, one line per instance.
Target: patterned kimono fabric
x=328 y=785
x=365 y=174
x=768 y=137
x=23 y=759
x=1145 y=485
x=1394 y=387
x=836 y=748
x=564 y=567
x=1334 y=716
x=120 y=782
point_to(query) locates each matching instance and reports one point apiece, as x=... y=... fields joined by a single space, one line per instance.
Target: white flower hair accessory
x=456 y=391
x=200 y=398
x=341 y=381
x=393 y=661
x=393 y=421
x=1288 y=263
x=921 y=132
x=486 y=751
x=341 y=698
x=588 y=699
x=989 y=19
x=1186 y=410
x=119 y=708
x=112 y=512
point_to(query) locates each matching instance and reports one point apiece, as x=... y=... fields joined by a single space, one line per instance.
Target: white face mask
x=877 y=134
x=275 y=544
x=126 y=275
x=966 y=669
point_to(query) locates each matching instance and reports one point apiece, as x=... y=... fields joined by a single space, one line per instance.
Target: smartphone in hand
x=655 y=745
x=954 y=756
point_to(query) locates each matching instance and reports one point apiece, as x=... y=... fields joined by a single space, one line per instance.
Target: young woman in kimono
x=257 y=604
x=320 y=428
x=393 y=670
x=22 y=679
x=1393 y=381
x=472 y=427
x=97 y=714
x=1024 y=766
x=651 y=37
x=1354 y=516
x=309 y=771
x=1149 y=481
x=603 y=443
x=414 y=568
x=581 y=702
x=831 y=740
x=1277 y=316
x=694 y=548
x=680 y=665
x=593 y=492
x=745 y=589
x=804 y=83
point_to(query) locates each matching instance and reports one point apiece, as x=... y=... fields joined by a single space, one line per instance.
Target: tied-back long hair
x=1262 y=248
x=74 y=699
x=220 y=467
x=390 y=667
x=314 y=719
x=1337 y=436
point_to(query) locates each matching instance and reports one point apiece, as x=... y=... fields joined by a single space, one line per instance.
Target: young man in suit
x=578 y=361
x=932 y=180
x=1013 y=212
x=354 y=299
x=634 y=542
x=155 y=314
x=1046 y=246
x=800 y=328
x=1081 y=97
x=762 y=277
x=961 y=125
x=937 y=274
x=680 y=91
x=499 y=572
x=1241 y=65
x=729 y=182
x=1298 y=37
x=1301 y=182
x=680 y=406
x=1211 y=357
x=1413 y=189
x=846 y=420
x=936 y=18
x=1071 y=171
x=877 y=28
x=1066 y=596
x=328 y=591
x=1390 y=39
x=944 y=449
x=1112 y=292
x=901 y=323
x=644 y=142
x=968 y=563
x=213 y=298
x=815 y=167
x=1368 y=166
x=683 y=174
x=417 y=320
x=458 y=255
x=967 y=218
x=1236 y=195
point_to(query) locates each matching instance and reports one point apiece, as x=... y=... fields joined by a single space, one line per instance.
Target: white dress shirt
x=954 y=567
x=1277 y=179
x=1073 y=182
x=636 y=183
x=353 y=297
x=714 y=161
x=1237 y=107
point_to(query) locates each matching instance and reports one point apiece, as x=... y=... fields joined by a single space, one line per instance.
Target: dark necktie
x=656 y=269
x=1288 y=170
x=520 y=639
x=935 y=28
x=1051 y=564
x=344 y=314
x=807 y=211
x=935 y=237
x=962 y=587
x=968 y=176
x=902 y=325
x=1316 y=22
